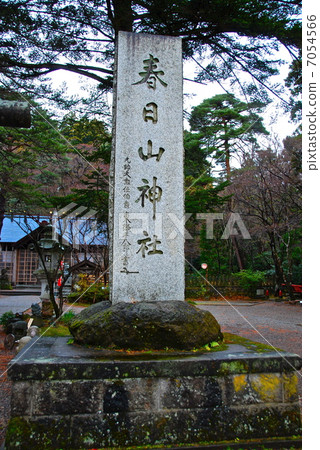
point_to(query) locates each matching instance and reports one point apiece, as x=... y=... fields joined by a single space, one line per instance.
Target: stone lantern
x=51 y=251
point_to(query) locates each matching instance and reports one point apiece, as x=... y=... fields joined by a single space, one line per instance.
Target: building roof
x=81 y=231
x=11 y=230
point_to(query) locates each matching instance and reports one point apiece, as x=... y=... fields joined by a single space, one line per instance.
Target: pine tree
x=42 y=37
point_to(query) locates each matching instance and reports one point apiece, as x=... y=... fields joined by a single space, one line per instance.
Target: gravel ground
x=274 y=323
x=17 y=303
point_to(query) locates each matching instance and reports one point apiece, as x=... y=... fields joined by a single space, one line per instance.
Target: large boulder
x=146 y=325
x=94 y=309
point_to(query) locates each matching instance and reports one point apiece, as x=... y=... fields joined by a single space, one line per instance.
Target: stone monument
x=147 y=208
x=147 y=188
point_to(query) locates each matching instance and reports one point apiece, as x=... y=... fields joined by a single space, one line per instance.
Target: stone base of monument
x=66 y=396
x=145 y=325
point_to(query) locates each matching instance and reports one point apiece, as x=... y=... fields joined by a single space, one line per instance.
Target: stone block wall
x=65 y=397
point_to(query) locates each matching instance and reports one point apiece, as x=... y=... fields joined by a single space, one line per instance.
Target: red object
x=267 y=292
x=59 y=282
x=297 y=288
x=280 y=293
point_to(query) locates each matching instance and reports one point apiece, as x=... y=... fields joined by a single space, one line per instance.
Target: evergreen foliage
x=42 y=37
x=31 y=161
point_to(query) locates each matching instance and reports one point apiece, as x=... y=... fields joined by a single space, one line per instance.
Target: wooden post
x=15 y=114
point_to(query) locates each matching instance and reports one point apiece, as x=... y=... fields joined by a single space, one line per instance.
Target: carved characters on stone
x=149 y=154
x=150 y=74
x=149 y=191
x=152 y=193
x=149 y=246
x=150 y=112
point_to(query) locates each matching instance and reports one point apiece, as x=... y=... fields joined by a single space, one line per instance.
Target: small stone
x=22 y=342
x=33 y=331
x=19 y=329
x=36 y=310
x=47 y=309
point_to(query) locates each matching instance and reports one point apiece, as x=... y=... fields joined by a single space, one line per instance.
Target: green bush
x=250 y=280
x=6 y=318
x=95 y=294
x=4 y=285
x=67 y=317
x=4 y=280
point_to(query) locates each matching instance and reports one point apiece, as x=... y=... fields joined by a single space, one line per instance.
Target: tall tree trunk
x=280 y=276
x=122 y=15
x=2 y=208
x=234 y=241
x=227 y=156
x=237 y=252
x=219 y=259
x=289 y=275
x=52 y=299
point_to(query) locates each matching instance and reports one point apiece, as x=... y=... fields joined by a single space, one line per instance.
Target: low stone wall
x=68 y=397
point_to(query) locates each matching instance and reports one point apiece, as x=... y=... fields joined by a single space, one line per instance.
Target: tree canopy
x=31 y=162
x=226 y=125
x=41 y=37
x=267 y=190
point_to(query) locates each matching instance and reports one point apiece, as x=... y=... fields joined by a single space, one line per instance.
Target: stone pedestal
x=66 y=396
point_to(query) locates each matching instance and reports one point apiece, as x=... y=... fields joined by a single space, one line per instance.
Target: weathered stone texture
x=146 y=325
x=118 y=403
x=246 y=389
x=147 y=185
x=21 y=396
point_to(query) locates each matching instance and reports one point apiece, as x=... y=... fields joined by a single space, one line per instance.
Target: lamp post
x=50 y=251
x=205 y=267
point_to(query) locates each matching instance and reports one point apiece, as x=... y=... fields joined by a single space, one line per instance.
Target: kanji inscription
x=150 y=75
x=149 y=246
x=152 y=193
x=150 y=112
x=147 y=189
x=149 y=153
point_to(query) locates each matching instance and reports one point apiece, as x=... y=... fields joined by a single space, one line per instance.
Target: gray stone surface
x=147 y=194
x=59 y=389
x=146 y=325
x=53 y=358
x=94 y=309
x=17 y=303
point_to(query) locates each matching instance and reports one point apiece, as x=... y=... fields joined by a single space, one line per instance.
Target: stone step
x=15 y=292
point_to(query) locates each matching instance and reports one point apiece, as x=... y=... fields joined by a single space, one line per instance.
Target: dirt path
x=274 y=323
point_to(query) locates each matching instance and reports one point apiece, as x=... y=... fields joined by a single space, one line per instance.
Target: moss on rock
x=154 y=325
x=45 y=434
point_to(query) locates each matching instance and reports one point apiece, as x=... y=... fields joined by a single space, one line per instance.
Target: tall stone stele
x=147 y=208
x=147 y=195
